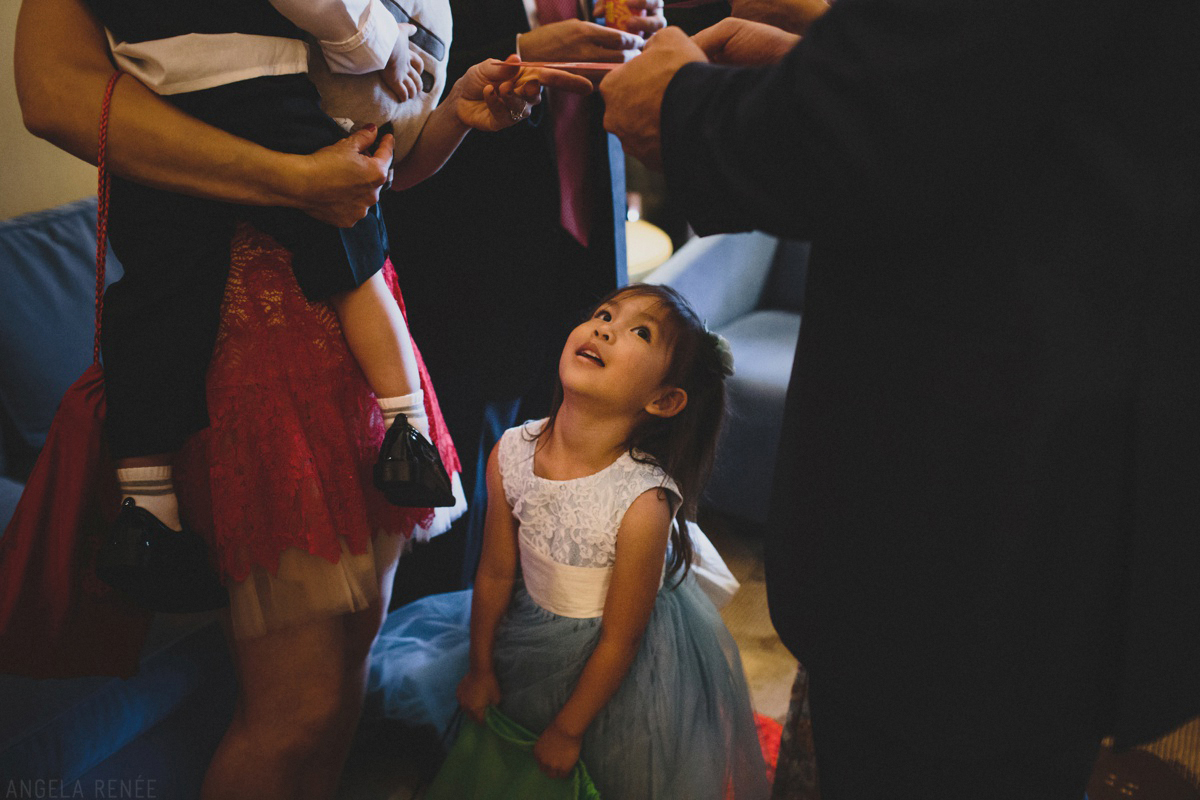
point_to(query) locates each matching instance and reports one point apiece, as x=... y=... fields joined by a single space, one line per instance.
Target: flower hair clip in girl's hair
x=724 y=353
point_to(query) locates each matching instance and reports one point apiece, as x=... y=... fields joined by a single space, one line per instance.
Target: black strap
x=423 y=38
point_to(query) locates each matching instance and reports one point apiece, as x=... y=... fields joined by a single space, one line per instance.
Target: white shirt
x=355 y=36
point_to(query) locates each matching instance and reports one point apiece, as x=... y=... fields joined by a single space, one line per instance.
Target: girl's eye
x=643 y=332
x=604 y=315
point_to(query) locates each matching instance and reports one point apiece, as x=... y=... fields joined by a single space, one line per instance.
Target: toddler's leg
x=148 y=481
x=160 y=323
x=378 y=338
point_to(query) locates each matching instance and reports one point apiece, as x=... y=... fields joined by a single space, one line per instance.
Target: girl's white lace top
x=567 y=530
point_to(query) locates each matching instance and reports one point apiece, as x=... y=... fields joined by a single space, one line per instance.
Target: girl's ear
x=668 y=404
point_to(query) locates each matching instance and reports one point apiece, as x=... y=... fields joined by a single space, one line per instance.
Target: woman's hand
x=476 y=692
x=647 y=16
x=402 y=75
x=339 y=183
x=493 y=95
x=557 y=751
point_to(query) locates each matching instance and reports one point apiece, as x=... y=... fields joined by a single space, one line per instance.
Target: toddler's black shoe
x=158 y=568
x=409 y=471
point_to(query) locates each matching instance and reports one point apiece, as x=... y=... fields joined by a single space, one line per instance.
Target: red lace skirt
x=281 y=479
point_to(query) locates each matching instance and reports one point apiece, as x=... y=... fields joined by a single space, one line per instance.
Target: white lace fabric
x=573 y=522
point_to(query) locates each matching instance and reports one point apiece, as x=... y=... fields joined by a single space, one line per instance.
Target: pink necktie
x=570 y=118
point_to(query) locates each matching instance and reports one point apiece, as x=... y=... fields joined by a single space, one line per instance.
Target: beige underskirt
x=306 y=588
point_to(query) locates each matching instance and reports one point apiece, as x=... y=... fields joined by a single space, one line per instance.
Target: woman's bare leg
x=290 y=712
x=360 y=630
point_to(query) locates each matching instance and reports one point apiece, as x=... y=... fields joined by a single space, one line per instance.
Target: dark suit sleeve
x=888 y=111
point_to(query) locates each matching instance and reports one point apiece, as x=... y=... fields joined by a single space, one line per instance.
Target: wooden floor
x=388 y=762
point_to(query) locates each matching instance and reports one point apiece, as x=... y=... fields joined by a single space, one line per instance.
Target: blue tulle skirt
x=680 y=725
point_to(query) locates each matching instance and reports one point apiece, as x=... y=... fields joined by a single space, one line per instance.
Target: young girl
x=585 y=625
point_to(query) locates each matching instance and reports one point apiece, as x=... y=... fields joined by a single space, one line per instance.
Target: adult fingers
x=672 y=35
x=495 y=71
x=712 y=39
x=384 y=151
x=646 y=26
x=361 y=139
x=564 y=81
x=495 y=104
x=613 y=39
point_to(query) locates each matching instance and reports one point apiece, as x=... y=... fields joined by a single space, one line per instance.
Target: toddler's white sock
x=411 y=405
x=152 y=489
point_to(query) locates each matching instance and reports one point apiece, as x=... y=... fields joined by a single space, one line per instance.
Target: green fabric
x=494 y=761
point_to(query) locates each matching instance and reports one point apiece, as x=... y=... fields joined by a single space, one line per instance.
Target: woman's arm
x=641 y=551
x=493 y=590
x=61 y=67
x=485 y=98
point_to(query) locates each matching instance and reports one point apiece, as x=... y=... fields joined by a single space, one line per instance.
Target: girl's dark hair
x=682 y=445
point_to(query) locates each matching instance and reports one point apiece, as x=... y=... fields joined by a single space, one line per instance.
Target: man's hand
x=647 y=16
x=633 y=93
x=339 y=183
x=402 y=75
x=793 y=16
x=576 y=40
x=744 y=43
x=556 y=751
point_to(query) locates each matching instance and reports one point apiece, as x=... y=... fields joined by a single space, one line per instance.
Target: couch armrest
x=722 y=276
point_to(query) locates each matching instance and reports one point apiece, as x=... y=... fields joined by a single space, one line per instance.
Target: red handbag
x=57 y=619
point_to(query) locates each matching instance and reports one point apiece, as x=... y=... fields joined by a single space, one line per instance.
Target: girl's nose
x=603 y=332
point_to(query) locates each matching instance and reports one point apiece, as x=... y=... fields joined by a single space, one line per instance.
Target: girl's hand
x=476 y=692
x=557 y=751
x=493 y=95
x=402 y=75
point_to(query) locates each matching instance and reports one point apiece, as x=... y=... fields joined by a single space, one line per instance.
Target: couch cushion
x=10 y=493
x=722 y=276
x=763 y=344
x=47 y=301
x=60 y=729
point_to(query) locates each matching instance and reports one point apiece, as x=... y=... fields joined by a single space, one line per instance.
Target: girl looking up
x=601 y=642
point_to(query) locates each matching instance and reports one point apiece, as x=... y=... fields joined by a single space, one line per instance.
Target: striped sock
x=152 y=489
x=410 y=405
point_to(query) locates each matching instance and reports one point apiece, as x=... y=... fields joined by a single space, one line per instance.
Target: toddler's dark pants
x=160 y=319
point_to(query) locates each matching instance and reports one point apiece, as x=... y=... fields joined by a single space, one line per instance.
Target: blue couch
x=89 y=737
x=748 y=287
